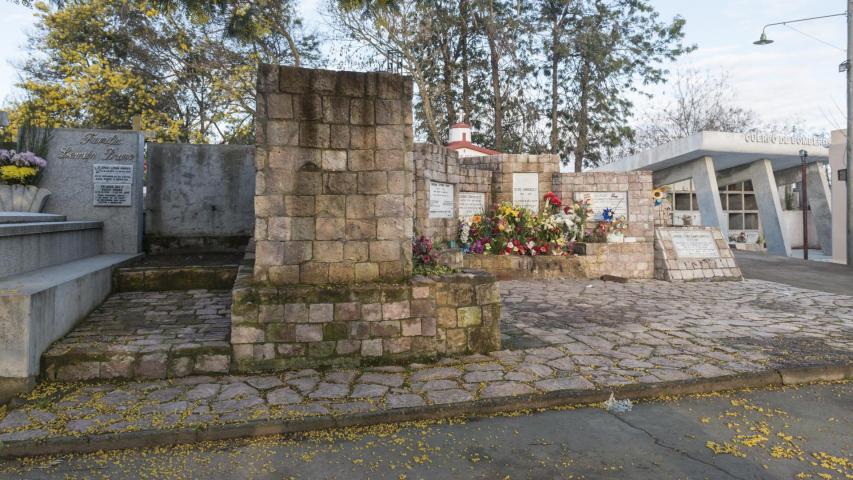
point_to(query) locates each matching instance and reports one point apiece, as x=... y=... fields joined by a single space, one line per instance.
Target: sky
x=794 y=80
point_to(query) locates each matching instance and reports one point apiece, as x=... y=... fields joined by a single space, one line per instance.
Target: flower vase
x=22 y=198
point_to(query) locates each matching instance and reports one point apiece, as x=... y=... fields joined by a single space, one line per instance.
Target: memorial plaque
x=471 y=203
x=617 y=201
x=97 y=175
x=112 y=173
x=525 y=190
x=694 y=244
x=112 y=195
x=440 y=200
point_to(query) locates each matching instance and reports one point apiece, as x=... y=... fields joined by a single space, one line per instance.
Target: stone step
x=146 y=335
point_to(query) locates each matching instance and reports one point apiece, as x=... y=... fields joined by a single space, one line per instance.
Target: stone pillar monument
x=334 y=189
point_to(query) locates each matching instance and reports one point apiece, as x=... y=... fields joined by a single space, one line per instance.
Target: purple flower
x=5 y=155
x=28 y=159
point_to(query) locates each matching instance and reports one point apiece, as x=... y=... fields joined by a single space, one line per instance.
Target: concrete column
x=769 y=207
x=708 y=195
x=704 y=178
x=818 y=193
x=838 y=162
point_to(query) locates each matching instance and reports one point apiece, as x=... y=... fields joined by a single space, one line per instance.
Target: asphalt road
x=764 y=434
x=822 y=276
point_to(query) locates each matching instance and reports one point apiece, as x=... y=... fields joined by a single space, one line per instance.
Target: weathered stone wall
x=199 y=197
x=627 y=260
x=641 y=212
x=434 y=163
x=669 y=267
x=334 y=196
x=294 y=326
x=504 y=166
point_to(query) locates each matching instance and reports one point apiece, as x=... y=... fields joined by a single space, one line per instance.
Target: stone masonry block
x=308 y=333
x=336 y=110
x=372 y=182
x=411 y=327
x=335 y=160
x=395 y=310
x=330 y=205
x=314 y=273
x=314 y=135
x=321 y=312
x=366 y=271
x=468 y=316
x=330 y=229
x=296 y=313
x=384 y=250
x=294 y=79
x=271 y=313
x=280 y=106
x=385 y=329
x=360 y=206
x=371 y=348
x=360 y=160
x=243 y=334
x=343 y=272
x=328 y=251
x=361 y=111
x=340 y=183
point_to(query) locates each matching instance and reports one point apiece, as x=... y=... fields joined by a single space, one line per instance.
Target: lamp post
x=848 y=150
x=804 y=203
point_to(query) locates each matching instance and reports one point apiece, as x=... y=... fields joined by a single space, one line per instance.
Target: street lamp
x=804 y=202
x=848 y=151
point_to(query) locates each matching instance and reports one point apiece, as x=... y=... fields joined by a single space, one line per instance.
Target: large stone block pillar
x=334 y=196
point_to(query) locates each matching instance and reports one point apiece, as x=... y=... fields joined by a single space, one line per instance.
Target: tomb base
x=308 y=326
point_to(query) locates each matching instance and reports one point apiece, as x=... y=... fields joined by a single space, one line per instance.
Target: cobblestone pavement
x=146 y=335
x=590 y=335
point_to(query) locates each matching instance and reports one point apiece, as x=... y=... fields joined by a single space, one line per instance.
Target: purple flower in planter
x=28 y=159
x=5 y=155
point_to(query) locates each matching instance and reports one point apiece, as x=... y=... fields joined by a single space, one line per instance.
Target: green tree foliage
x=548 y=75
x=180 y=73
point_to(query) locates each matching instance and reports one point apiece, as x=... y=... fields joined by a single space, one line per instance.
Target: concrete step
x=146 y=335
x=39 y=307
x=27 y=247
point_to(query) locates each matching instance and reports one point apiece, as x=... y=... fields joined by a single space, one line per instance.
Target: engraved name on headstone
x=471 y=203
x=525 y=190
x=694 y=244
x=440 y=200
x=112 y=173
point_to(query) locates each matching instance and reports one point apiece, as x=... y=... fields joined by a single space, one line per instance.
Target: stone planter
x=22 y=198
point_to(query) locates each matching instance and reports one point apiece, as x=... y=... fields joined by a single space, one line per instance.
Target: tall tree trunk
x=463 y=43
x=555 y=65
x=297 y=60
x=494 y=61
x=447 y=73
x=583 y=117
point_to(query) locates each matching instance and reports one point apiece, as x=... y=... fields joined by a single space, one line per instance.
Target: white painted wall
x=838 y=197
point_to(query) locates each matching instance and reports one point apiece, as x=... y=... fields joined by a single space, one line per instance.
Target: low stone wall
x=156 y=279
x=627 y=260
x=375 y=323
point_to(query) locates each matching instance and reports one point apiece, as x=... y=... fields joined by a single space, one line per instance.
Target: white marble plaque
x=525 y=190
x=112 y=173
x=112 y=195
x=440 y=200
x=618 y=201
x=694 y=244
x=471 y=203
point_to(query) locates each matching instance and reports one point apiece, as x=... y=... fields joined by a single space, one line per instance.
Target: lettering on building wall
x=785 y=139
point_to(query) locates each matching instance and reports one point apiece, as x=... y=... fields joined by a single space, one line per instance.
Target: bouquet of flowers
x=20 y=168
x=511 y=230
